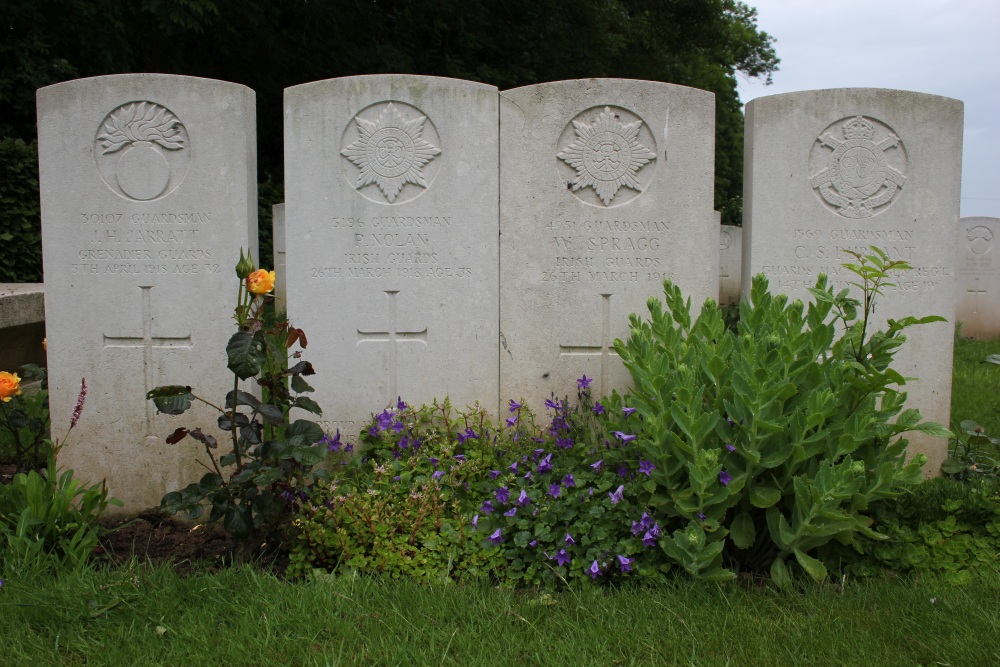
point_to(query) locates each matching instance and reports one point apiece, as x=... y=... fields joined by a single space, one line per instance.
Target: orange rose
x=260 y=281
x=10 y=386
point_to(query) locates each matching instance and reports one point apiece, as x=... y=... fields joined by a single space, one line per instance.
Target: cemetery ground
x=176 y=600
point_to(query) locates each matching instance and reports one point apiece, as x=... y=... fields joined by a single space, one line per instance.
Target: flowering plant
x=24 y=418
x=270 y=461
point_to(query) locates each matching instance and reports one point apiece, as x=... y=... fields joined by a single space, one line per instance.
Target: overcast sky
x=944 y=47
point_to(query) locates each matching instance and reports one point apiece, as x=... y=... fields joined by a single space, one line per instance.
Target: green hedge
x=20 y=213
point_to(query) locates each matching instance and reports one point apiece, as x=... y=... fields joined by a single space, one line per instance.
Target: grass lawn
x=145 y=615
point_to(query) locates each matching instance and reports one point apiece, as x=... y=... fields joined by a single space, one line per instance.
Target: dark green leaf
x=246 y=353
x=238 y=522
x=171 y=400
x=271 y=413
x=307 y=404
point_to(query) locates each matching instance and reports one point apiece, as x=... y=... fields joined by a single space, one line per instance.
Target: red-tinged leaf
x=296 y=335
x=207 y=440
x=177 y=436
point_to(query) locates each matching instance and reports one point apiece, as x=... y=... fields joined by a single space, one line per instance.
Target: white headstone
x=606 y=190
x=978 y=293
x=278 y=248
x=148 y=192
x=391 y=196
x=730 y=252
x=830 y=170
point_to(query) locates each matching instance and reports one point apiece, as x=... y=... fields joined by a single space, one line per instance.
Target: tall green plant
x=771 y=443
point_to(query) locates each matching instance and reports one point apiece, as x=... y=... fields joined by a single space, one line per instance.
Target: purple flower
x=597 y=466
x=624 y=438
x=460 y=457
x=646 y=467
x=616 y=497
x=595 y=570
x=494 y=474
x=730 y=446
x=438 y=474
x=554 y=490
x=513 y=467
x=475 y=522
x=598 y=408
x=384 y=420
x=510 y=421
x=333 y=444
x=487 y=507
x=584 y=382
x=552 y=405
x=626 y=563
x=496 y=537
x=523 y=500
x=622 y=471
x=644 y=523
x=514 y=406
x=562 y=558
x=511 y=512
x=648 y=540
x=564 y=443
x=373 y=430
x=397 y=426
x=467 y=434
x=434 y=461
x=545 y=465
x=400 y=404
x=568 y=481
x=701 y=516
x=527 y=475
x=569 y=540
x=628 y=411
x=348 y=448
x=725 y=477
x=396 y=478
x=503 y=495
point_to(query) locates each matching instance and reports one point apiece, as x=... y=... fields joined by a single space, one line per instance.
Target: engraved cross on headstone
x=148 y=342
x=976 y=292
x=605 y=348
x=394 y=337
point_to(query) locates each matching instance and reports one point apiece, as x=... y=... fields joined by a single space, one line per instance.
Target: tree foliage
x=269 y=46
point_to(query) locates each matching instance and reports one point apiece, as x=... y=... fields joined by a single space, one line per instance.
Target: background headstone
x=605 y=191
x=148 y=192
x=730 y=254
x=391 y=199
x=278 y=245
x=977 y=296
x=829 y=170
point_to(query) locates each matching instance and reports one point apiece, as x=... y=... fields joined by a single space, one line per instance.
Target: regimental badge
x=390 y=151
x=606 y=155
x=865 y=171
x=980 y=239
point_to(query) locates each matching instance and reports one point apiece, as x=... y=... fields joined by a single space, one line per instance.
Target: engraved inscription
x=606 y=251
x=390 y=150
x=148 y=342
x=858 y=166
x=606 y=153
x=141 y=150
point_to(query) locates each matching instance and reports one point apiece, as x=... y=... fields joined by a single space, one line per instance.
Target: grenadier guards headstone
x=730 y=253
x=978 y=293
x=391 y=200
x=278 y=248
x=605 y=191
x=148 y=192
x=846 y=169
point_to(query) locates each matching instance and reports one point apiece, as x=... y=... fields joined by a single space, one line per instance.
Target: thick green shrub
x=20 y=214
x=773 y=443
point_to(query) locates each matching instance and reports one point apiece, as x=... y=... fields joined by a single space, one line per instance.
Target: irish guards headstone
x=605 y=191
x=391 y=203
x=846 y=169
x=148 y=192
x=978 y=291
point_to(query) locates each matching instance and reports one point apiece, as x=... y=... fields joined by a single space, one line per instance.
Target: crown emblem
x=859 y=128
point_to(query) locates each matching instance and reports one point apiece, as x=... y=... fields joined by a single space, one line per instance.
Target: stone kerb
x=830 y=170
x=977 y=295
x=148 y=192
x=605 y=190
x=392 y=240
x=22 y=325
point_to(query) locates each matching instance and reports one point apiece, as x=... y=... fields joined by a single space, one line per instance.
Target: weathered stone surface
x=391 y=201
x=148 y=192
x=977 y=295
x=605 y=191
x=830 y=170
x=22 y=325
x=730 y=254
x=278 y=259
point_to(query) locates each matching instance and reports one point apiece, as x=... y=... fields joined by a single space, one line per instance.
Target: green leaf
x=764 y=496
x=309 y=431
x=779 y=574
x=242 y=398
x=299 y=385
x=246 y=353
x=953 y=466
x=307 y=404
x=238 y=522
x=271 y=413
x=813 y=567
x=742 y=530
x=171 y=400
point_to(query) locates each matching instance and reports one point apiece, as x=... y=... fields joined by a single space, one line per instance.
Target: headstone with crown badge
x=605 y=191
x=148 y=193
x=391 y=202
x=977 y=296
x=846 y=169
